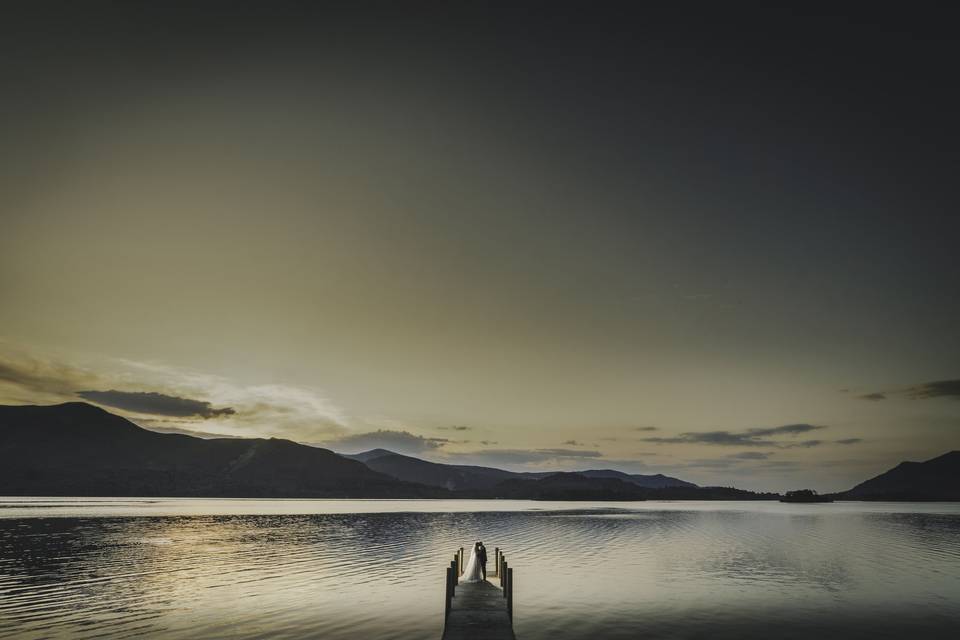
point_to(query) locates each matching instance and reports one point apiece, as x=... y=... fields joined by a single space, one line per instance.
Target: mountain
x=566 y=486
x=367 y=456
x=579 y=486
x=79 y=449
x=459 y=477
x=449 y=476
x=655 y=481
x=936 y=479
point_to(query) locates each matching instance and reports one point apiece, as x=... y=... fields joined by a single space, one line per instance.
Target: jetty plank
x=478 y=611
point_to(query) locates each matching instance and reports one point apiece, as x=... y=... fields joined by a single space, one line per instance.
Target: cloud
x=849 y=441
x=806 y=444
x=249 y=410
x=42 y=380
x=939 y=389
x=572 y=443
x=151 y=402
x=751 y=455
x=456 y=427
x=758 y=437
x=645 y=429
x=398 y=441
x=787 y=428
x=925 y=391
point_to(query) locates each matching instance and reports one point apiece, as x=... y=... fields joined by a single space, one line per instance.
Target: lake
x=200 y=568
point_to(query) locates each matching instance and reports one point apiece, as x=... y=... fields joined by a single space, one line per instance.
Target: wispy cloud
x=924 y=391
x=849 y=441
x=146 y=392
x=28 y=379
x=758 y=437
x=806 y=444
x=456 y=427
x=939 y=389
x=751 y=455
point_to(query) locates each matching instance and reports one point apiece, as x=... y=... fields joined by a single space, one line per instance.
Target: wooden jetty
x=479 y=610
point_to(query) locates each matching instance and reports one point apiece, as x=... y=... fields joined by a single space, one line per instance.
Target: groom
x=482 y=556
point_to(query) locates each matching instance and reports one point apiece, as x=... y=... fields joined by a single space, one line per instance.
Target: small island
x=804 y=495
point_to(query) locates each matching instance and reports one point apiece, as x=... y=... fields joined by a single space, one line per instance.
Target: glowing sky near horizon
x=579 y=240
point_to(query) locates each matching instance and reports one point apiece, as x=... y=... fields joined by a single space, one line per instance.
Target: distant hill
x=579 y=486
x=457 y=477
x=449 y=476
x=655 y=481
x=79 y=449
x=367 y=456
x=566 y=486
x=936 y=479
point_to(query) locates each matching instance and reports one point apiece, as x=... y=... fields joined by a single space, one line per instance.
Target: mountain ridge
x=458 y=477
x=935 y=479
x=79 y=449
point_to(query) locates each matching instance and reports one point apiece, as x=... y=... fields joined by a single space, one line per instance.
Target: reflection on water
x=257 y=569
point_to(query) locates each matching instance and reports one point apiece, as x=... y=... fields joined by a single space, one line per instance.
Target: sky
x=719 y=245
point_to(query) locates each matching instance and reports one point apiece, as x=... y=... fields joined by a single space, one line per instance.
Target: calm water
x=104 y=568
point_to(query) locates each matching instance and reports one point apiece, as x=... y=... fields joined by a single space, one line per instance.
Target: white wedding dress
x=471 y=573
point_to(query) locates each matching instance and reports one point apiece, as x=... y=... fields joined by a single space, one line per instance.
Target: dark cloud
x=940 y=389
x=154 y=403
x=806 y=444
x=398 y=441
x=787 y=428
x=713 y=437
x=758 y=437
x=456 y=427
x=572 y=443
x=645 y=429
x=751 y=455
x=849 y=441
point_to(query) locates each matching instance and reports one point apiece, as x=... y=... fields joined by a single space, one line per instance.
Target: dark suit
x=482 y=556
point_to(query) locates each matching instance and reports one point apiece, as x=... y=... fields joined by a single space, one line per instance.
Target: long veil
x=471 y=573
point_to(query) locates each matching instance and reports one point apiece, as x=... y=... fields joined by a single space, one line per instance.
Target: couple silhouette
x=476 y=569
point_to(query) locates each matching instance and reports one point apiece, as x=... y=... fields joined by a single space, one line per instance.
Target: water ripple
x=658 y=570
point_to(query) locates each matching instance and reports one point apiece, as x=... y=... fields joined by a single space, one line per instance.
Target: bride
x=472 y=573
